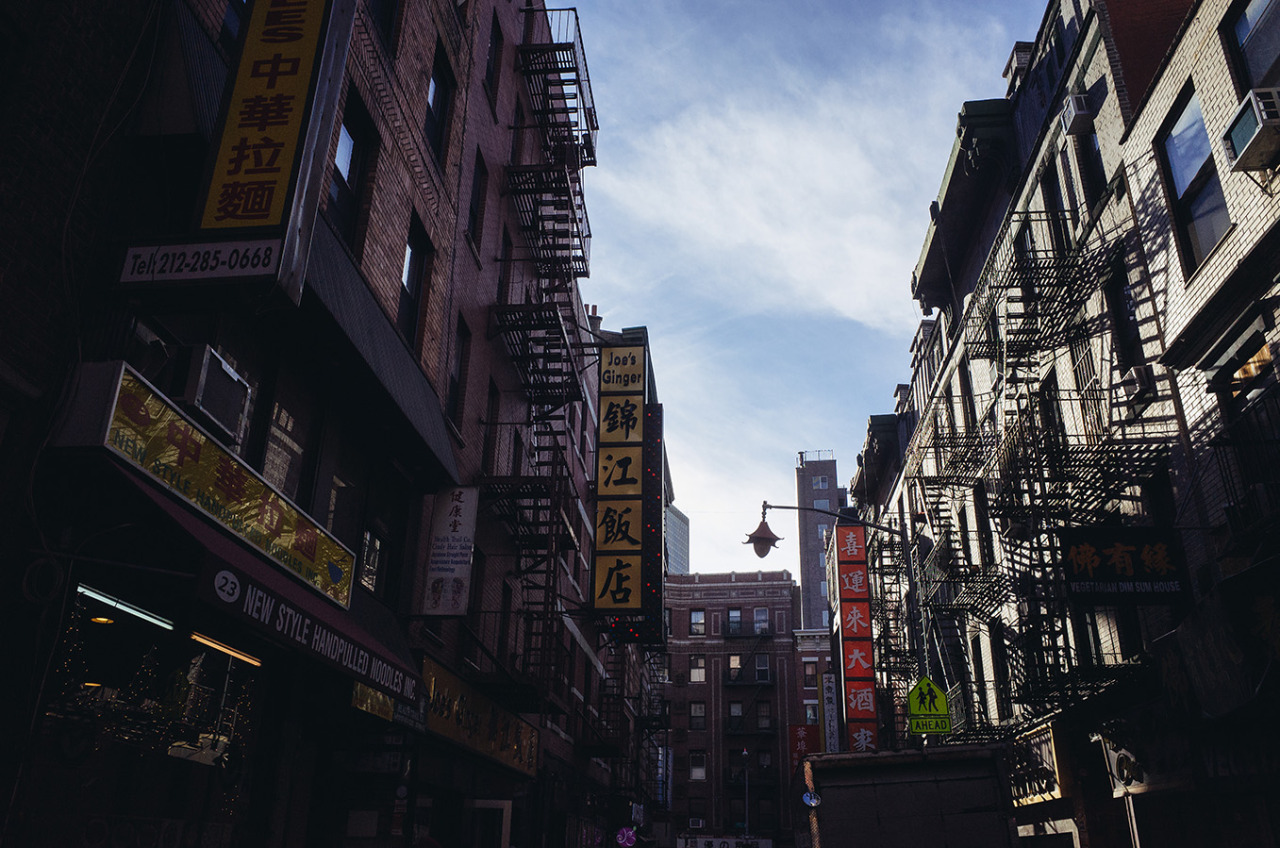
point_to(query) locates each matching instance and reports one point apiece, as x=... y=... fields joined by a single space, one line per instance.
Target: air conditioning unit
x=1138 y=386
x=215 y=393
x=1252 y=137
x=1076 y=117
x=697 y=824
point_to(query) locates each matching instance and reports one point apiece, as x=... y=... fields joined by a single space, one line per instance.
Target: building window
x=735 y=716
x=232 y=18
x=373 y=554
x=810 y=674
x=697 y=669
x=820 y=481
x=826 y=618
x=822 y=503
x=493 y=62
x=738 y=813
x=458 y=372
x=352 y=162
x=762 y=668
x=698 y=715
x=823 y=530
x=1199 y=208
x=766 y=817
x=764 y=715
x=666 y=620
x=1255 y=36
x=492 y=414
x=440 y=92
x=414 y=274
x=697 y=765
x=1126 y=337
x=735 y=666
x=697 y=622
x=384 y=14
x=479 y=196
x=735 y=622
x=761 y=621
x=810 y=713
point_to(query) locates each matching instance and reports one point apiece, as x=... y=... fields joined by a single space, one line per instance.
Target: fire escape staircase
x=540 y=327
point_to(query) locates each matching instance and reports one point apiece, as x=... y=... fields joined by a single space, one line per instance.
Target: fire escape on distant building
x=1044 y=457
x=750 y=685
x=540 y=322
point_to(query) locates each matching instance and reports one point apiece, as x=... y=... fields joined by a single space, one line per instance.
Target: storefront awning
x=244 y=586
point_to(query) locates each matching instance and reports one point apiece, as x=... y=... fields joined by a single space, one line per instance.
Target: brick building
x=298 y=430
x=817 y=487
x=1085 y=458
x=734 y=694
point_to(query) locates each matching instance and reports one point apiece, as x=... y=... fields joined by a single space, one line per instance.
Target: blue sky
x=765 y=172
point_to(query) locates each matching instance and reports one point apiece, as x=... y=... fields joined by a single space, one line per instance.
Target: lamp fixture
x=762 y=539
x=226 y=649
x=124 y=606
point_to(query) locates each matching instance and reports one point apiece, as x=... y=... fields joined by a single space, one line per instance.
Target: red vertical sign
x=857 y=658
x=803 y=740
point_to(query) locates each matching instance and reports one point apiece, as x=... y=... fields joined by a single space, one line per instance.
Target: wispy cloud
x=766 y=170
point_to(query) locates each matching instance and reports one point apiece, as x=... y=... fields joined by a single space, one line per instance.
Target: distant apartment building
x=734 y=692
x=817 y=487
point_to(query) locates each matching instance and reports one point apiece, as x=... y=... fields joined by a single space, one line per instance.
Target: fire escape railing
x=1247 y=455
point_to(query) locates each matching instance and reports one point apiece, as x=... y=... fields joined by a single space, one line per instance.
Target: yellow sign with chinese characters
x=266 y=117
x=158 y=440
x=621 y=419
x=618 y=471
x=618 y=525
x=464 y=715
x=617 y=581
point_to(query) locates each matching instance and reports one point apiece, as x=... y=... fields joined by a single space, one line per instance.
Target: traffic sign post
x=927 y=709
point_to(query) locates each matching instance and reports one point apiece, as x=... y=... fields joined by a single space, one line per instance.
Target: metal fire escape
x=1053 y=460
x=540 y=323
x=895 y=659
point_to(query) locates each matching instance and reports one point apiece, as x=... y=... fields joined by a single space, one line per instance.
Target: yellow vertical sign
x=616 y=580
x=267 y=115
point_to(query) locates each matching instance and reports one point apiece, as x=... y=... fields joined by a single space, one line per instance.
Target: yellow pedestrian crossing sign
x=927 y=709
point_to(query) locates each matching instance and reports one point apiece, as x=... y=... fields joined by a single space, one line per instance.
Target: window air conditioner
x=1076 y=117
x=1252 y=137
x=1138 y=385
x=215 y=393
x=697 y=824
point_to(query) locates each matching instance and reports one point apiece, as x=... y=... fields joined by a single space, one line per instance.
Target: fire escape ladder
x=611 y=742
x=534 y=503
x=548 y=194
x=554 y=65
x=895 y=661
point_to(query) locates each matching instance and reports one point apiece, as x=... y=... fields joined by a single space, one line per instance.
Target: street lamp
x=746 y=793
x=763 y=540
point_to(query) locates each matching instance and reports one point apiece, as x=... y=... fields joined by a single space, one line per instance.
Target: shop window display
x=175 y=708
